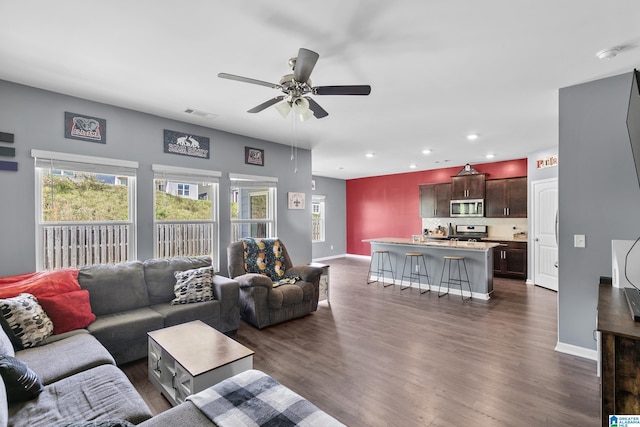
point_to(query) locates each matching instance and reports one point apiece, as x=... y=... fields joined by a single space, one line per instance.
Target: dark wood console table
x=619 y=355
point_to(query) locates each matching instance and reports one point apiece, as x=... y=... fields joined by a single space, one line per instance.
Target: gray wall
x=36 y=117
x=535 y=174
x=335 y=242
x=598 y=196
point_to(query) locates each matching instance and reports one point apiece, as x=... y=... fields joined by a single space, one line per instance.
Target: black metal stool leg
x=404 y=266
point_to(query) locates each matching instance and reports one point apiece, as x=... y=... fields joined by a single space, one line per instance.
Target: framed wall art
x=253 y=156
x=86 y=128
x=186 y=144
x=296 y=200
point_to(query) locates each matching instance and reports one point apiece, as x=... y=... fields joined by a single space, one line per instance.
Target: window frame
x=50 y=160
x=254 y=185
x=320 y=200
x=187 y=176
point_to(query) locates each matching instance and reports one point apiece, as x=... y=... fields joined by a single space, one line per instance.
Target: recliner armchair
x=272 y=290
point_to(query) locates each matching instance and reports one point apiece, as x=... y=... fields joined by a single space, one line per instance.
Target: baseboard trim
x=328 y=257
x=574 y=350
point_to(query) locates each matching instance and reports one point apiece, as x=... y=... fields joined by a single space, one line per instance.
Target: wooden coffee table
x=190 y=357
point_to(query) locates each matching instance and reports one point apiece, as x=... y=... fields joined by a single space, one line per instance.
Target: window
x=317 y=218
x=85 y=210
x=186 y=212
x=253 y=206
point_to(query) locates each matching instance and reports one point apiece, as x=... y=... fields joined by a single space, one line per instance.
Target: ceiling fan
x=297 y=87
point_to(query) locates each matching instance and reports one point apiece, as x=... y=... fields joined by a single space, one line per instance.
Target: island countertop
x=478 y=261
x=453 y=244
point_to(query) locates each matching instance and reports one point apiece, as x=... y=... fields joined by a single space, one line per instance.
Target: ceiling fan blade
x=318 y=111
x=248 y=80
x=266 y=104
x=304 y=65
x=342 y=90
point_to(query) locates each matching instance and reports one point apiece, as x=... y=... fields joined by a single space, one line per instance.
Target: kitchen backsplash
x=499 y=228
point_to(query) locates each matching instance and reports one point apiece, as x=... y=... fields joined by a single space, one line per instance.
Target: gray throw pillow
x=20 y=381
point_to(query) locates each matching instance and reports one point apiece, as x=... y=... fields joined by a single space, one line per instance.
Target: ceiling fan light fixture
x=284 y=108
x=301 y=108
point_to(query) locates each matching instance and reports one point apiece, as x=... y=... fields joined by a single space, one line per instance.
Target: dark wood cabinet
x=506 y=198
x=510 y=260
x=619 y=355
x=468 y=186
x=435 y=200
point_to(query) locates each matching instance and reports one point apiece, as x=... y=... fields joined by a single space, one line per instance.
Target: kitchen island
x=478 y=258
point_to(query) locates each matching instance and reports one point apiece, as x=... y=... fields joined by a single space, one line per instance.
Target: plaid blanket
x=252 y=398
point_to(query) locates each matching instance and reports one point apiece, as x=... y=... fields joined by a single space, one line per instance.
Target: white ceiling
x=438 y=69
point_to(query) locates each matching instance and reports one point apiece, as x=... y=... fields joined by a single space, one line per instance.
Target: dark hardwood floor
x=383 y=357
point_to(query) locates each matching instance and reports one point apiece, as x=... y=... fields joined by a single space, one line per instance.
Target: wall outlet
x=579 y=241
x=331 y=247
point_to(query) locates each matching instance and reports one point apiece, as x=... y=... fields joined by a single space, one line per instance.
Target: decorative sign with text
x=547 y=162
x=186 y=144
x=86 y=128
x=253 y=156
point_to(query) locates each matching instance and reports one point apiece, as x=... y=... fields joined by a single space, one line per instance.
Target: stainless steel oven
x=471 y=207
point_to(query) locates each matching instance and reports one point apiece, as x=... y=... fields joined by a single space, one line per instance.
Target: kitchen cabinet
x=510 y=260
x=468 y=186
x=435 y=200
x=506 y=198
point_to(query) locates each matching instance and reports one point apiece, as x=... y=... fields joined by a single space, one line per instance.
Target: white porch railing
x=316 y=229
x=184 y=239
x=73 y=246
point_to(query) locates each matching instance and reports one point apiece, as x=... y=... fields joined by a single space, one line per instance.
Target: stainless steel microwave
x=471 y=207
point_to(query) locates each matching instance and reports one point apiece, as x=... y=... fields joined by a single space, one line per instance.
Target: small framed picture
x=296 y=200
x=253 y=156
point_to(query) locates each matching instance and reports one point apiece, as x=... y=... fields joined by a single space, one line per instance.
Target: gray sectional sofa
x=72 y=380
x=79 y=381
x=132 y=298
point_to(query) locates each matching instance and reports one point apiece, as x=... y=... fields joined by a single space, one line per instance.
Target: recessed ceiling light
x=369 y=155
x=490 y=156
x=612 y=52
x=472 y=136
x=427 y=151
x=413 y=166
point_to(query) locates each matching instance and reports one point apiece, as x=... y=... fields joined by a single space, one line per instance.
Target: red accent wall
x=389 y=205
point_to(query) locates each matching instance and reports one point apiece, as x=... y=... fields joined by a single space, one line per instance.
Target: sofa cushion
x=25 y=319
x=21 y=382
x=114 y=288
x=6 y=346
x=99 y=423
x=4 y=406
x=124 y=334
x=285 y=295
x=100 y=393
x=193 y=285
x=60 y=359
x=68 y=311
x=207 y=311
x=158 y=274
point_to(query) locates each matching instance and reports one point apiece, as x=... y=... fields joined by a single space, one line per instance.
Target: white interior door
x=545 y=245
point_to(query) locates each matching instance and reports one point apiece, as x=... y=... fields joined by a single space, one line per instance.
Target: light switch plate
x=579 y=241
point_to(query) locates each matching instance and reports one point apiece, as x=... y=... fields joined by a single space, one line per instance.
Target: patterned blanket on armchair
x=252 y=398
x=264 y=256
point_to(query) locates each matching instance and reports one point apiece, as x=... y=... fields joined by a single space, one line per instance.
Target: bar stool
x=452 y=281
x=414 y=272
x=380 y=267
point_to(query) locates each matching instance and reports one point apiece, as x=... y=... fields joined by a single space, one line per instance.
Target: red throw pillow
x=68 y=311
x=42 y=283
